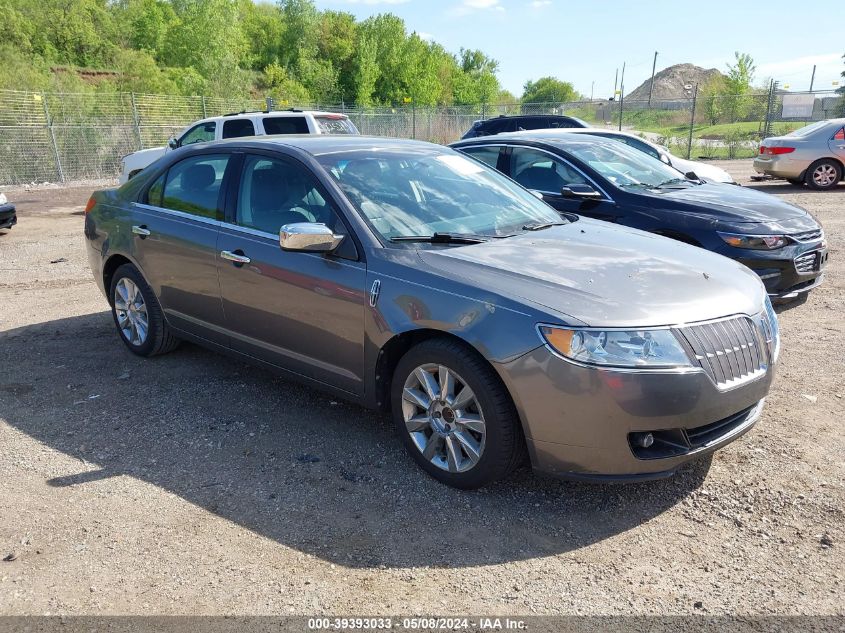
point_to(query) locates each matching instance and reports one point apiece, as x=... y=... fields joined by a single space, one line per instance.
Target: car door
x=301 y=311
x=837 y=143
x=175 y=226
x=547 y=173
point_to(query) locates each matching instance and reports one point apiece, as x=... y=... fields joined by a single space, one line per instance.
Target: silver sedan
x=813 y=154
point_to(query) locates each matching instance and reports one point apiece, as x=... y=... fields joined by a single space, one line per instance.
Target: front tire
x=823 y=174
x=137 y=314
x=795 y=181
x=455 y=416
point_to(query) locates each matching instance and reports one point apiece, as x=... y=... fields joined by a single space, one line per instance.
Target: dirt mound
x=669 y=83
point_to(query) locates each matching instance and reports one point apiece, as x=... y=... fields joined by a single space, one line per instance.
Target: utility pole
x=622 y=80
x=651 y=85
x=812 y=78
x=621 y=104
x=615 y=82
x=592 y=86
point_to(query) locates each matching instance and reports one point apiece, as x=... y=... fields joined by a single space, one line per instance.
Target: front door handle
x=238 y=258
x=142 y=230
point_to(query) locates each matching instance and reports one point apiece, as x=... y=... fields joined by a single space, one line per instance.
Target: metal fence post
x=621 y=105
x=692 y=121
x=53 y=139
x=769 y=103
x=413 y=120
x=137 y=120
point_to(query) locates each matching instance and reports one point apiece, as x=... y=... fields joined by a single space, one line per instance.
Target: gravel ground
x=193 y=484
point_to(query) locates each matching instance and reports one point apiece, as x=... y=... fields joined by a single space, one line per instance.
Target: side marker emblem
x=374 y=292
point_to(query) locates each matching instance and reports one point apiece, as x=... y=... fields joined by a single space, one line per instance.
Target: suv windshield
x=625 y=166
x=420 y=193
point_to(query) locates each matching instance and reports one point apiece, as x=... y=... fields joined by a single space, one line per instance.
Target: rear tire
x=465 y=439
x=137 y=314
x=824 y=174
x=795 y=181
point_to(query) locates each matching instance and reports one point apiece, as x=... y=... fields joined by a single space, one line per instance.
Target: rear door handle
x=143 y=231
x=238 y=258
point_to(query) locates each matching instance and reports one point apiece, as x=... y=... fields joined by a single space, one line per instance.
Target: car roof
x=275 y=113
x=554 y=137
x=319 y=144
x=525 y=116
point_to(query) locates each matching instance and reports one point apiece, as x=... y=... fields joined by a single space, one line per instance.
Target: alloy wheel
x=131 y=311
x=824 y=175
x=443 y=417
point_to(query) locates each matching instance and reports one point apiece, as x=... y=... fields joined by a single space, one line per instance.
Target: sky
x=585 y=42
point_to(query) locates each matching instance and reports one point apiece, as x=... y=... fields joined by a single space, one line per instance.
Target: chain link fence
x=67 y=137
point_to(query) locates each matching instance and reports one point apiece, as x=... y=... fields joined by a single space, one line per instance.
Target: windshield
x=808 y=129
x=625 y=166
x=418 y=193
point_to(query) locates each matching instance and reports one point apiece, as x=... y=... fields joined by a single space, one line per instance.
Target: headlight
x=772 y=331
x=757 y=242
x=617 y=348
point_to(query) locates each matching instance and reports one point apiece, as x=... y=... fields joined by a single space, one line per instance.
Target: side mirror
x=691 y=175
x=580 y=191
x=309 y=237
x=172 y=143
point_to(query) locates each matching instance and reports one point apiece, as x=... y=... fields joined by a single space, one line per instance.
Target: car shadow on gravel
x=287 y=462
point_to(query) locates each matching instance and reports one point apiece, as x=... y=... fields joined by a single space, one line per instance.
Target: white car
x=702 y=170
x=237 y=125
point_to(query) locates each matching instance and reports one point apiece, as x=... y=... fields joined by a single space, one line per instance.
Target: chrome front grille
x=808 y=236
x=806 y=263
x=731 y=351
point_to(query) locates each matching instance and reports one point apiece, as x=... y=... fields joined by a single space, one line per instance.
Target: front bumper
x=8 y=216
x=579 y=421
x=788 y=271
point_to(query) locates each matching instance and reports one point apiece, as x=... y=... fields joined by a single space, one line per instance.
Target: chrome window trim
x=606 y=198
x=179 y=214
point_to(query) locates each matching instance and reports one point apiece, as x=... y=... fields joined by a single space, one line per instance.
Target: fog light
x=644 y=439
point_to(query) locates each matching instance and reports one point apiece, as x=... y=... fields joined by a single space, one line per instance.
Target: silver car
x=813 y=154
x=408 y=277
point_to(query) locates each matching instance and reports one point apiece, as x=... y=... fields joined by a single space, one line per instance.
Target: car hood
x=605 y=275
x=145 y=156
x=732 y=203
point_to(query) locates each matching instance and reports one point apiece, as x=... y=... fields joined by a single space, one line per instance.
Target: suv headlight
x=638 y=348
x=772 y=330
x=755 y=242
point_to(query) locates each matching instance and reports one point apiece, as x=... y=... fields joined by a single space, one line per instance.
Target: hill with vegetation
x=234 y=48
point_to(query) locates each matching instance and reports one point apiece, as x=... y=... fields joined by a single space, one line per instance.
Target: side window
x=488 y=155
x=202 y=133
x=234 y=128
x=639 y=145
x=840 y=135
x=276 y=192
x=560 y=122
x=532 y=123
x=540 y=171
x=285 y=125
x=193 y=185
x=154 y=193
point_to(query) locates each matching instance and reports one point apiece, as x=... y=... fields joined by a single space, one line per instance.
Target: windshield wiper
x=539 y=226
x=673 y=181
x=443 y=238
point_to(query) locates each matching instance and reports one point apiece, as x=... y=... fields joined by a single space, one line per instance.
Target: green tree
x=263 y=31
x=737 y=86
x=338 y=32
x=710 y=95
x=548 y=90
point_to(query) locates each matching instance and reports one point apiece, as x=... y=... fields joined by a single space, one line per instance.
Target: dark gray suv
x=406 y=276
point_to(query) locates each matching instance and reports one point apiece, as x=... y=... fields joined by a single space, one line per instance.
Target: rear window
x=235 y=128
x=285 y=125
x=335 y=125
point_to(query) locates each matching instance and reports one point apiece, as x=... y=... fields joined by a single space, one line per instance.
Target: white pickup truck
x=241 y=124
